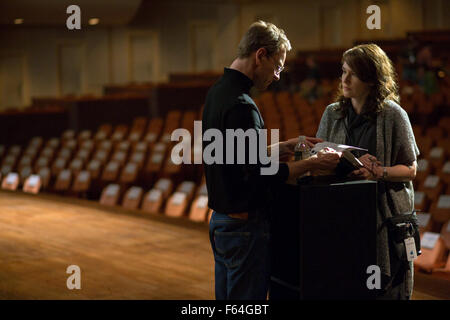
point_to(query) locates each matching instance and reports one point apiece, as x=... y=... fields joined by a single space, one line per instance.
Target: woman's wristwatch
x=385 y=174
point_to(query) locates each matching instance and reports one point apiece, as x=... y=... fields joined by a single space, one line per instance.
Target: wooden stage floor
x=122 y=255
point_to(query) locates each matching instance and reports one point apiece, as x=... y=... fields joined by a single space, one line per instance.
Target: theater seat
x=11 y=181
x=63 y=180
x=129 y=173
x=424 y=222
x=58 y=165
x=32 y=184
x=179 y=201
x=82 y=181
x=433 y=250
x=111 y=171
x=110 y=195
x=76 y=166
x=104 y=131
x=132 y=198
x=41 y=163
x=45 y=175
x=24 y=173
x=101 y=155
x=94 y=167
x=432 y=187
x=445 y=236
x=444 y=172
x=437 y=157
x=420 y=201
x=423 y=170
x=441 y=209
x=153 y=201
x=53 y=143
x=199 y=209
x=65 y=153
x=165 y=185
x=176 y=204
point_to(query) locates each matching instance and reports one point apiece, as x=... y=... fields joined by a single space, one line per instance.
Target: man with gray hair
x=238 y=194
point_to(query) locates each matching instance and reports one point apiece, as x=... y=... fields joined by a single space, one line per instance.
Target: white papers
x=423 y=219
x=83 y=154
x=134 y=193
x=33 y=180
x=431 y=181
x=202 y=202
x=436 y=153
x=422 y=165
x=94 y=165
x=418 y=197
x=166 y=138
x=112 y=166
x=157 y=158
x=71 y=144
x=137 y=157
x=178 y=198
x=186 y=187
x=163 y=184
x=444 y=202
x=83 y=176
x=446 y=168
x=12 y=177
x=101 y=155
x=112 y=190
x=119 y=156
x=150 y=137
x=429 y=240
x=64 y=175
x=100 y=135
x=135 y=136
x=106 y=145
x=159 y=147
x=154 y=195
x=338 y=147
x=141 y=147
x=76 y=164
x=131 y=168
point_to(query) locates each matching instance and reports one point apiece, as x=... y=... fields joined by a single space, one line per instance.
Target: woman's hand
x=369 y=161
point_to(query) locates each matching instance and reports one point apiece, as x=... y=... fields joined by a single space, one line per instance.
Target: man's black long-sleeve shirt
x=235 y=188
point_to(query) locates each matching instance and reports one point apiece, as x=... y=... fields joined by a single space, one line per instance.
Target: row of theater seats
x=291 y=113
x=435 y=257
x=77 y=164
x=162 y=197
x=182 y=201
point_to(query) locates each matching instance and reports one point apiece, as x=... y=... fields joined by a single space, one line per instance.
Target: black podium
x=323 y=238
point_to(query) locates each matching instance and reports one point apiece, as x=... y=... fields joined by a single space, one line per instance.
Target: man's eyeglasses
x=279 y=68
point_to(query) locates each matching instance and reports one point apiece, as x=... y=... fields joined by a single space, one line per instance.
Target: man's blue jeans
x=242 y=256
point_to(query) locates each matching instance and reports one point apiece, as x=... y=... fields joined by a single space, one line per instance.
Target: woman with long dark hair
x=367 y=114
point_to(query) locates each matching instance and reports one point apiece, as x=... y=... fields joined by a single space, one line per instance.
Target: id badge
x=410 y=246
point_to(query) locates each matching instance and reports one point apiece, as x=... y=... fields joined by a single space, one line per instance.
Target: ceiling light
x=94 y=21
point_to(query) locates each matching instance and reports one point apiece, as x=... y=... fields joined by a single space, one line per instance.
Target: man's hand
x=327 y=159
x=291 y=143
x=311 y=141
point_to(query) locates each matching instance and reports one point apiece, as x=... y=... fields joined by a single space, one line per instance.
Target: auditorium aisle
x=121 y=255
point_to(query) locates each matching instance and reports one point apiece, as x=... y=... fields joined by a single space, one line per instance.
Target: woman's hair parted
x=371 y=65
x=263 y=35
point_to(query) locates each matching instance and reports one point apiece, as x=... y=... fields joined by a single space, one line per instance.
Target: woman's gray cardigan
x=395 y=145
